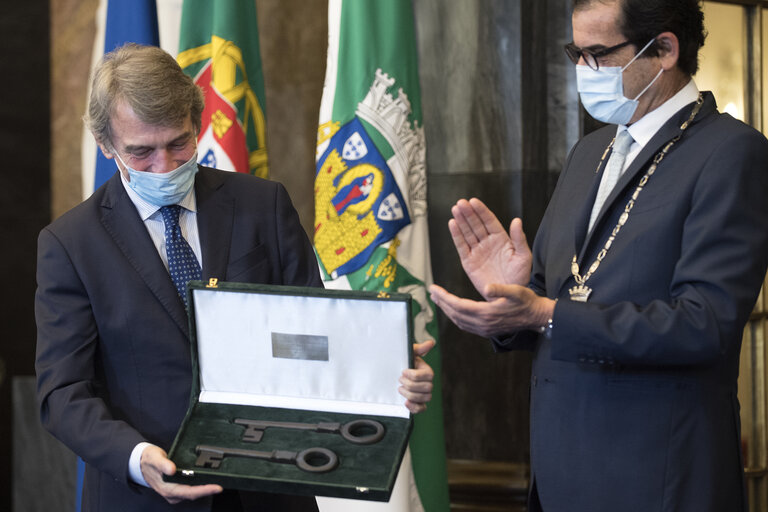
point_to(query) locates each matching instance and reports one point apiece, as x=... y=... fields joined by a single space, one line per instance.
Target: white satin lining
x=368 y=348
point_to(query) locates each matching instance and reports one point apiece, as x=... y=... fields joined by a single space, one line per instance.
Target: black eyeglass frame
x=590 y=57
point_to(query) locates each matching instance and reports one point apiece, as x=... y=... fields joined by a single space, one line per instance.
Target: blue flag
x=127 y=21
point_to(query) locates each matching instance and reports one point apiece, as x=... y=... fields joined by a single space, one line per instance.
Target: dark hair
x=642 y=20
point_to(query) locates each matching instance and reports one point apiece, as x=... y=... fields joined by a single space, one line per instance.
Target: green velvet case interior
x=364 y=471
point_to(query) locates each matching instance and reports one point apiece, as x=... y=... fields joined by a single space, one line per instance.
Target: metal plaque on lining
x=308 y=347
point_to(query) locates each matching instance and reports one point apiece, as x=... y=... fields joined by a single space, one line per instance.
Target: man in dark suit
x=113 y=354
x=643 y=274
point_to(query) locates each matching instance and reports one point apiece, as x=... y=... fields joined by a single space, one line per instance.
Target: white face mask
x=602 y=91
x=162 y=189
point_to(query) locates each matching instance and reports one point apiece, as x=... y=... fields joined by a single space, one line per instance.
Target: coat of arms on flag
x=370 y=186
x=219 y=48
x=358 y=204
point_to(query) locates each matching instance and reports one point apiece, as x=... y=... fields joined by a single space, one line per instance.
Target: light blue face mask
x=602 y=91
x=162 y=189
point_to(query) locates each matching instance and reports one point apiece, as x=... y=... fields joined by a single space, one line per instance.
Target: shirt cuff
x=134 y=464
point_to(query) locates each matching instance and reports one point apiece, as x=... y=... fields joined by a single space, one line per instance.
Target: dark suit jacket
x=113 y=355
x=633 y=400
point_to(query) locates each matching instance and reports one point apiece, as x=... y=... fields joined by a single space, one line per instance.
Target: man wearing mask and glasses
x=113 y=352
x=643 y=273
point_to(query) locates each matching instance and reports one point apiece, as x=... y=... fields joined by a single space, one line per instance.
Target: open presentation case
x=327 y=360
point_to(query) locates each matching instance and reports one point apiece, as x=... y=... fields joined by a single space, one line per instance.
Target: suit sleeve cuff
x=134 y=464
x=521 y=340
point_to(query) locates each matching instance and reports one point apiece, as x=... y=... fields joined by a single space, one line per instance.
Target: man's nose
x=164 y=161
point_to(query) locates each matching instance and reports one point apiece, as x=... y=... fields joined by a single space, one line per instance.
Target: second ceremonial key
x=314 y=460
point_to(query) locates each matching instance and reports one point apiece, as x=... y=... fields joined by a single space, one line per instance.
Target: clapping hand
x=488 y=254
x=499 y=265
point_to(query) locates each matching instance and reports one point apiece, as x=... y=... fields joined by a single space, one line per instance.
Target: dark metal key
x=314 y=460
x=356 y=431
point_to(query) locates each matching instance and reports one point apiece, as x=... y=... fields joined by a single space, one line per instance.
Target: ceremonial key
x=314 y=460
x=357 y=431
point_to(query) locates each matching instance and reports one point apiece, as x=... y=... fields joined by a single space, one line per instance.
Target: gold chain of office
x=581 y=292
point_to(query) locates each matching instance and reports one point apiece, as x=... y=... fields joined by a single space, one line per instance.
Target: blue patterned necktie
x=182 y=263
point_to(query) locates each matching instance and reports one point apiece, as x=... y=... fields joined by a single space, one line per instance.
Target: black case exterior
x=364 y=471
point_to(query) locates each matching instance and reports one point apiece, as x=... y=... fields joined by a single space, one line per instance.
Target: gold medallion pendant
x=580 y=293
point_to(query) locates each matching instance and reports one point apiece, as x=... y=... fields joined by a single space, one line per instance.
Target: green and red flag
x=371 y=202
x=219 y=48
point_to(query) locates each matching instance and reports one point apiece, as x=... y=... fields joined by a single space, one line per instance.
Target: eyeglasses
x=590 y=57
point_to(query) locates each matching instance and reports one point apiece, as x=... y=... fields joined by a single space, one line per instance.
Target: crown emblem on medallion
x=580 y=293
x=390 y=117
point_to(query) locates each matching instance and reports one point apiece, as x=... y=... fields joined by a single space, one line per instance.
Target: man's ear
x=105 y=149
x=668 y=49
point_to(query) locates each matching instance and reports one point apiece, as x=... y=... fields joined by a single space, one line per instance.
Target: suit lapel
x=589 y=195
x=121 y=220
x=215 y=218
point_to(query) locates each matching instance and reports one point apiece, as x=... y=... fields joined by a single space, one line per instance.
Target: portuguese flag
x=219 y=48
x=370 y=229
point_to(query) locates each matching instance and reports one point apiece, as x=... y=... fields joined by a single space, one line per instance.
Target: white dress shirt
x=646 y=127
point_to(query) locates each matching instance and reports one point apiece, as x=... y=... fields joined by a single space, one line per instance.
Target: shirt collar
x=146 y=210
x=643 y=130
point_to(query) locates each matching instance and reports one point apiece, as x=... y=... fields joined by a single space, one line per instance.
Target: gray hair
x=150 y=81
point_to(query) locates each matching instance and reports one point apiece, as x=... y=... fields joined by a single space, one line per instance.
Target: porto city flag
x=117 y=22
x=219 y=48
x=370 y=229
